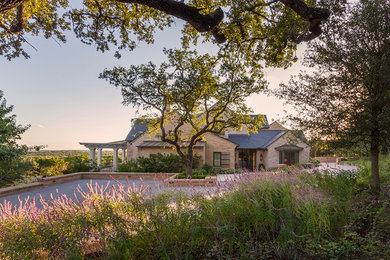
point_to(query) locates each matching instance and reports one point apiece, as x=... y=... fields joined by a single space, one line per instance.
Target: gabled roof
x=139 y=129
x=289 y=148
x=136 y=130
x=260 y=140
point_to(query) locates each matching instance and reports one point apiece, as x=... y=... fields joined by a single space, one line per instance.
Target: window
x=217 y=159
x=289 y=158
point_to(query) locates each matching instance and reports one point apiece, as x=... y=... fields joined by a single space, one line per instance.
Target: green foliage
x=365 y=169
x=62 y=154
x=198 y=173
x=78 y=163
x=346 y=99
x=51 y=166
x=47 y=167
x=260 y=214
x=12 y=166
x=314 y=161
x=158 y=163
x=366 y=235
x=295 y=215
x=256 y=31
x=192 y=91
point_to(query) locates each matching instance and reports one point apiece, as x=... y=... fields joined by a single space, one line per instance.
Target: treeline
x=62 y=154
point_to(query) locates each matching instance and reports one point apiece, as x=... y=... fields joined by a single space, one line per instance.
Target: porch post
x=115 y=160
x=92 y=157
x=99 y=157
x=123 y=155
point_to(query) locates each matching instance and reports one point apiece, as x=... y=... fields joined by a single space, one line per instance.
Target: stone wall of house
x=218 y=144
x=133 y=151
x=271 y=157
x=260 y=157
x=147 y=151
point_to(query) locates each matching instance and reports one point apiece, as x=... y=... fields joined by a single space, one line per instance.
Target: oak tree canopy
x=258 y=30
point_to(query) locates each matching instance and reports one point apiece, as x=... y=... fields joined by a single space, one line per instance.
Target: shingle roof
x=136 y=130
x=260 y=140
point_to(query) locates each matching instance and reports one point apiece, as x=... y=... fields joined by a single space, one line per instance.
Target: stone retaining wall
x=208 y=181
x=327 y=159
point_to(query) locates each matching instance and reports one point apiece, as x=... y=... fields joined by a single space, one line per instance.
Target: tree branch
x=313 y=15
x=190 y=14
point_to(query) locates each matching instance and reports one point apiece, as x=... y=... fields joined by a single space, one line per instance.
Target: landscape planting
x=257 y=215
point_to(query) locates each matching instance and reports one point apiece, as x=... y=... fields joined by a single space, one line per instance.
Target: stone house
x=271 y=146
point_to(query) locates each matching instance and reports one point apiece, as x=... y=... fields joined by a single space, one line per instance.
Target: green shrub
x=314 y=161
x=197 y=174
x=295 y=215
x=46 y=167
x=78 y=163
x=157 y=163
x=230 y=171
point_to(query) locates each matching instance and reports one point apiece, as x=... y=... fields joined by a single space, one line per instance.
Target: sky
x=58 y=93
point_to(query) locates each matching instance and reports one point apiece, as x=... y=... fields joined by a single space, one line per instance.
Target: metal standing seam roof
x=260 y=140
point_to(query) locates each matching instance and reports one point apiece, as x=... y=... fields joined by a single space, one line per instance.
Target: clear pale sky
x=57 y=91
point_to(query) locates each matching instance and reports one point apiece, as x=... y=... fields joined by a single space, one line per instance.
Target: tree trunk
x=190 y=157
x=375 y=166
x=189 y=169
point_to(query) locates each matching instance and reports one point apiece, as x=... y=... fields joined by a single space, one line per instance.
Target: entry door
x=247 y=159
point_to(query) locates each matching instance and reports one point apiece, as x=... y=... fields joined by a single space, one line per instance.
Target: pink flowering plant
x=250 y=215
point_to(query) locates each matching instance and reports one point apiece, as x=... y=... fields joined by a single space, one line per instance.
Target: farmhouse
x=270 y=146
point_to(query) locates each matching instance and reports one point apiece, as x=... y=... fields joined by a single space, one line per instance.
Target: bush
x=47 y=167
x=78 y=163
x=314 y=161
x=157 y=163
x=260 y=215
x=198 y=174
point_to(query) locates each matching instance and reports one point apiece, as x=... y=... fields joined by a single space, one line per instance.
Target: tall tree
x=11 y=167
x=347 y=97
x=189 y=96
x=258 y=29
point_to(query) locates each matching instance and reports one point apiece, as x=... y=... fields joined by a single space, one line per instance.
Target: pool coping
x=49 y=181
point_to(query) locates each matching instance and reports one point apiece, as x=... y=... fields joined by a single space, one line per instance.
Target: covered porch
x=115 y=146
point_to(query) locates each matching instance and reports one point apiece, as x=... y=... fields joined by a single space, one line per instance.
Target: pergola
x=100 y=146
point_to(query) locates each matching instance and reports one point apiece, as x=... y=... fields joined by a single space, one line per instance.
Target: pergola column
x=92 y=156
x=99 y=157
x=123 y=155
x=115 y=160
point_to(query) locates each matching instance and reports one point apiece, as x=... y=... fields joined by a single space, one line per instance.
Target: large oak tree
x=189 y=96
x=257 y=30
x=346 y=100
